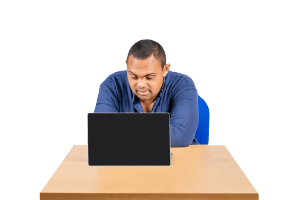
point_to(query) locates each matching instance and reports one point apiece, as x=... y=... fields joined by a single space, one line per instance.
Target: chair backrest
x=202 y=132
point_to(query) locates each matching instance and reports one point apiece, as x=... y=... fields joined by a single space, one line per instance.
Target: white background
x=244 y=57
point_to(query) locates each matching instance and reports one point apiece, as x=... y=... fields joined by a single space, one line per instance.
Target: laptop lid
x=129 y=139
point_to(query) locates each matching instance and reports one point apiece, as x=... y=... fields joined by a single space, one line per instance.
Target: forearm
x=184 y=118
x=181 y=136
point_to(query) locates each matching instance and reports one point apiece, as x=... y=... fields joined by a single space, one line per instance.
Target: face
x=146 y=77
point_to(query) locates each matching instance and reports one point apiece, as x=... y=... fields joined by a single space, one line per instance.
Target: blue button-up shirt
x=178 y=96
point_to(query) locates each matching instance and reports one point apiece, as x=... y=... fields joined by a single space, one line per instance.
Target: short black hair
x=143 y=49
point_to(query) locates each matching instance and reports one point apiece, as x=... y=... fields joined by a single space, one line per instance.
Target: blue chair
x=202 y=132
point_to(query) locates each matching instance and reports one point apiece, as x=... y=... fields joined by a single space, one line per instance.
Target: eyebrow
x=145 y=75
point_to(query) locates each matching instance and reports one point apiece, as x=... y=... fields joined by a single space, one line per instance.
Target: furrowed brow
x=150 y=74
x=145 y=75
x=132 y=73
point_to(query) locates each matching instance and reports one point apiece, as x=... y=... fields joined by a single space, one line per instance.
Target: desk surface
x=196 y=172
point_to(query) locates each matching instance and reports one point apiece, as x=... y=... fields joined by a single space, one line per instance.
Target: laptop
x=139 y=139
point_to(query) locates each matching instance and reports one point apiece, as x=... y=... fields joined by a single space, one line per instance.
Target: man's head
x=146 y=69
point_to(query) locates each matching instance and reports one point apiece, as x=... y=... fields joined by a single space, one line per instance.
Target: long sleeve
x=184 y=114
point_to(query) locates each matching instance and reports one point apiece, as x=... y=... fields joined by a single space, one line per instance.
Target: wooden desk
x=196 y=172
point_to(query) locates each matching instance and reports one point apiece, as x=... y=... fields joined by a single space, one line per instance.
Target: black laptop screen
x=129 y=138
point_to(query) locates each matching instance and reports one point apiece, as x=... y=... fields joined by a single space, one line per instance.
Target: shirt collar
x=133 y=96
x=162 y=88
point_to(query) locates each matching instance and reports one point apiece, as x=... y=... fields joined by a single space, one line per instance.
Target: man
x=149 y=86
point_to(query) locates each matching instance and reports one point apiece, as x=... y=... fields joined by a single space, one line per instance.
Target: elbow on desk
x=180 y=137
x=180 y=144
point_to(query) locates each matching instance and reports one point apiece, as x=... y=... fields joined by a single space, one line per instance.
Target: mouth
x=143 y=92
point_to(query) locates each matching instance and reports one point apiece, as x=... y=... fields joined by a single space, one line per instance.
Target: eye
x=149 y=77
x=134 y=77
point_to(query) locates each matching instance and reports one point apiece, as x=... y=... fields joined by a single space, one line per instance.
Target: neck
x=147 y=107
x=148 y=102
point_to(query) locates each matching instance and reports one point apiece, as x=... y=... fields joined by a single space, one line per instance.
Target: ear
x=166 y=69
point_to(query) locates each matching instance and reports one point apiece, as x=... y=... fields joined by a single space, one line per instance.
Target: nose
x=141 y=83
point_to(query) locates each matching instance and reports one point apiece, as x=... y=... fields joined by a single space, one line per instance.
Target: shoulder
x=179 y=86
x=175 y=78
x=116 y=78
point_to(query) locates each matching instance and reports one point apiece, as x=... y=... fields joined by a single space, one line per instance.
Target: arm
x=184 y=115
x=107 y=100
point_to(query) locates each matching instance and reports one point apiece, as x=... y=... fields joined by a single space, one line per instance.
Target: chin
x=143 y=98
